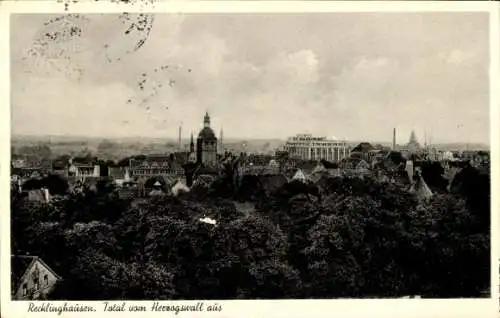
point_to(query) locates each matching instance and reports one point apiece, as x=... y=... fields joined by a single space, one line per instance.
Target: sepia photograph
x=243 y=156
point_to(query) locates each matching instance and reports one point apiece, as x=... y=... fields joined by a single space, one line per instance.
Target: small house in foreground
x=31 y=278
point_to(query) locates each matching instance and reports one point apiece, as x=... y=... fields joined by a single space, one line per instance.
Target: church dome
x=207 y=134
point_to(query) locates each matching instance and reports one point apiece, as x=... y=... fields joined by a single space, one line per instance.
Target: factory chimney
x=180 y=137
x=394 y=139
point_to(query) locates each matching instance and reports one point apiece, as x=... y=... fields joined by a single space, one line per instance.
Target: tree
x=474 y=186
x=56 y=184
x=106 y=148
x=433 y=172
x=250 y=261
x=38 y=151
x=444 y=240
x=354 y=238
x=95 y=276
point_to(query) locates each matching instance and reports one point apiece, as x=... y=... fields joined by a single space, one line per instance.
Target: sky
x=353 y=76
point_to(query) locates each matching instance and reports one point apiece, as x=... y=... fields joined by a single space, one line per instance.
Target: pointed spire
x=191 y=145
x=206 y=120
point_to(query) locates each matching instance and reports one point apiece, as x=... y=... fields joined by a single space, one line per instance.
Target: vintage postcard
x=249 y=159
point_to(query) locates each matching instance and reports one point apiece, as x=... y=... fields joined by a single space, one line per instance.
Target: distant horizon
x=185 y=140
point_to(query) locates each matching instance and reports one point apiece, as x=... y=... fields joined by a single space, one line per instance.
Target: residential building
x=363 y=150
x=299 y=176
x=354 y=167
x=154 y=165
x=31 y=278
x=120 y=175
x=309 y=147
x=178 y=187
x=83 y=168
x=38 y=195
x=420 y=188
x=353 y=163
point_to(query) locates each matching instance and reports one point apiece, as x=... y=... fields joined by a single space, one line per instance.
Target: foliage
x=433 y=173
x=38 y=151
x=342 y=237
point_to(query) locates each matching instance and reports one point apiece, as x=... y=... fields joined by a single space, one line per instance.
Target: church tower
x=191 y=145
x=413 y=145
x=413 y=138
x=206 y=144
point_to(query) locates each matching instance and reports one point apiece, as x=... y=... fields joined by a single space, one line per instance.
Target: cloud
x=349 y=75
x=99 y=113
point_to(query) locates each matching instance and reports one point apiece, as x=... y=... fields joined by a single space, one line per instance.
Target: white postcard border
x=283 y=308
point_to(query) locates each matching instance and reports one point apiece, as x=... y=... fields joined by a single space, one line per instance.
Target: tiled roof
x=363 y=147
x=82 y=161
x=306 y=166
x=329 y=165
x=18 y=266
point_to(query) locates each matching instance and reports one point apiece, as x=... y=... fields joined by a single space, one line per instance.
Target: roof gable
x=21 y=266
x=299 y=175
x=363 y=147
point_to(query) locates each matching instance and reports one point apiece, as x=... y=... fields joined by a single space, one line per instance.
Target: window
x=36 y=284
x=25 y=289
x=46 y=279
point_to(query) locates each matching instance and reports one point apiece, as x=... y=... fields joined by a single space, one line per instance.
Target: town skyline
x=231 y=140
x=326 y=88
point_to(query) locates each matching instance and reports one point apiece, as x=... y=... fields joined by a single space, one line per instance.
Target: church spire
x=206 y=120
x=191 y=145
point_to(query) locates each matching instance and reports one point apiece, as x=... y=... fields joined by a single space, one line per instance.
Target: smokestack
x=180 y=137
x=394 y=139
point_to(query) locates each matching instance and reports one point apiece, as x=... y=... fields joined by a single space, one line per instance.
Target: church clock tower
x=206 y=144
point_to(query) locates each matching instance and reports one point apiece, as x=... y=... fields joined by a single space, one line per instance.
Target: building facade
x=206 y=144
x=413 y=146
x=308 y=147
x=31 y=278
x=153 y=166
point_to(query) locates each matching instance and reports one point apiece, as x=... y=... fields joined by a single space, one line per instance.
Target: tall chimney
x=394 y=139
x=180 y=137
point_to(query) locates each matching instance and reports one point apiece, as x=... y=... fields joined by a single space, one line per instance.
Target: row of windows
x=36 y=284
x=302 y=150
x=153 y=171
x=307 y=138
x=83 y=172
x=335 y=154
x=316 y=144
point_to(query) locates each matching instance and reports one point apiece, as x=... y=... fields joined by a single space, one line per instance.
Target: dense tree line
x=346 y=238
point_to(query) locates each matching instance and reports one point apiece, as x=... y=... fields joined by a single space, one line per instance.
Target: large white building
x=309 y=147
